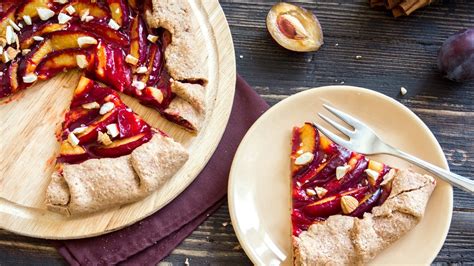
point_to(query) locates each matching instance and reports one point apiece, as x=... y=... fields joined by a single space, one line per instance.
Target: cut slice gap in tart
x=108 y=155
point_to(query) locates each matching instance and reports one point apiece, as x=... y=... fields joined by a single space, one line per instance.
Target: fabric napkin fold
x=153 y=238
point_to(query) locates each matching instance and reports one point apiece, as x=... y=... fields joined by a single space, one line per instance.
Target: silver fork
x=364 y=140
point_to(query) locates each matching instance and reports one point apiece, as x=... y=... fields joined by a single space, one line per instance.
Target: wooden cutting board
x=28 y=145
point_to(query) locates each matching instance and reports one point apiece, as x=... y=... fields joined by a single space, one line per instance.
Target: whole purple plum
x=456 y=56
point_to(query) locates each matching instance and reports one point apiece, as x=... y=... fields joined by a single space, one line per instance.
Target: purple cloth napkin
x=152 y=239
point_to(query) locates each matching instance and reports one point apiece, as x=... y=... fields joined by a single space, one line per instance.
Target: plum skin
x=456 y=56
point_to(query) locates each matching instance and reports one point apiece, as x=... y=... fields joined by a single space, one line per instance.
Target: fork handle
x=461 y=182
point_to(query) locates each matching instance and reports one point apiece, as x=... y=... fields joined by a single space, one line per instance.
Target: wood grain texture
x=395 y=52
x=26 y=169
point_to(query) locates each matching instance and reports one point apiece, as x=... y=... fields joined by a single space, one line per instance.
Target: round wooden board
x=28 y=145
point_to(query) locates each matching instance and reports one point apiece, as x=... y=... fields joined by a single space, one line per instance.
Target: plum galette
x=145 y=49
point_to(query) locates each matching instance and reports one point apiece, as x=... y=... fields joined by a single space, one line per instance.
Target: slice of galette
x=108 y=155
x=347 y=208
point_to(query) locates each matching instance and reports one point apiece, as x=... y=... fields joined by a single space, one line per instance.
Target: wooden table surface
x=395 y=53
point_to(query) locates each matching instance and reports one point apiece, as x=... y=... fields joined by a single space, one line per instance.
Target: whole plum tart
x=347 y=208
x=108 y=155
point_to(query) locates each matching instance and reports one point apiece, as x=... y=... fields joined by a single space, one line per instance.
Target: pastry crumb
x=358 y=57
x=186 y=262
x=225 y=224
x=241 y=56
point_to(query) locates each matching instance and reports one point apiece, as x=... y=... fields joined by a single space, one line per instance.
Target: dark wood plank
x=395 y=53
x=214 y=242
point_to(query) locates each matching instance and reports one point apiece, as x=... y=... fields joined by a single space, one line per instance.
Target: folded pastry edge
x=346 y=240
x=98 y=184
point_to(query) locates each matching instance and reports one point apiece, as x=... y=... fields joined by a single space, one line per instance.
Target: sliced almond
x=106 y=107
x=304 y=158
x=30 y=78
x=14 y=25
x=152 y=38
x=141 y=70
x=113 y=25
x=310 y=192
x=388 y=177
x=91 y=105
x=71 y=138
x=321 y=192
x=341 y=171
x=139 y=85
x=45 y=13
x=79 y=130
x=17 y=41
x=71 y=10
x=112 y=130
x=9 y=35
x=38 y=38
x=349 y=204
x=27 y=20
x=104 y=138
x=131 y=59
x=372 y=175
x=403 y=90
x=87 y=18
x=63 y=18
x=81 y=61
x=61 y=1
x=86 y=40
x=1 y=50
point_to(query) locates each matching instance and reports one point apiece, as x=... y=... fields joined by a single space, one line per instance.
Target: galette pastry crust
x=188 y=105
x=181 y=54
x=99 y=184
x=189 y=74
x=194 y=94
x=346 y=240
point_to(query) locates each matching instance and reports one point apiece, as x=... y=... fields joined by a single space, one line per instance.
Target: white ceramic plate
x=259 y=185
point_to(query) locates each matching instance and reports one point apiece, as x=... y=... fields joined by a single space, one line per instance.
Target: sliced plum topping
x=329 y=179
x=100 y=125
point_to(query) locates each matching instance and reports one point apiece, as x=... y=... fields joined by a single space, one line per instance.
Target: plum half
x=294 y=28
